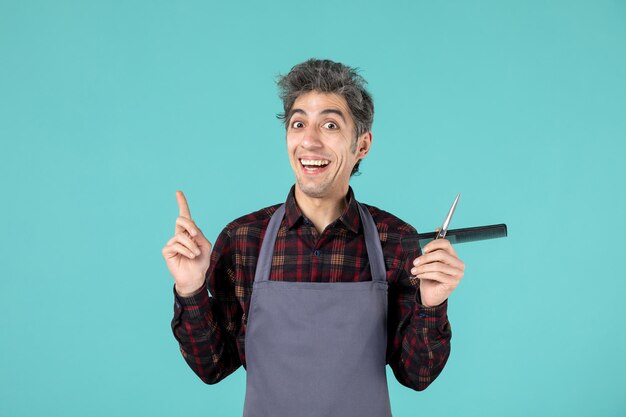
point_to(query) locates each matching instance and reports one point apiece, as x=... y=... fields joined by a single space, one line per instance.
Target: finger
x=437 y=267
x=439 y=244
x=189 y=243
x=439 y=256
x=439 y=277
x=183 y=207
x=186 y=241
x=436 y=244
x=184 y=224
x=202 y=240
x=188 y=226
x=176 y=248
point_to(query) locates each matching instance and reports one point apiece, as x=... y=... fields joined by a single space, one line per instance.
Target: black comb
x=468 y=234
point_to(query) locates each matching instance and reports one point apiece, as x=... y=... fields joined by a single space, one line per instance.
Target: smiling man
x=322 y=144
x=315 y=296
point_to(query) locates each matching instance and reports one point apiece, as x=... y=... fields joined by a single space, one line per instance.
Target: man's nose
x=312 y=137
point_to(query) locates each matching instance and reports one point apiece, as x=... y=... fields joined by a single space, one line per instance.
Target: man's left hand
x=439 y=270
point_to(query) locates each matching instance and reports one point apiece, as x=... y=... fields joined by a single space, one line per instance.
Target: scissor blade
x=450 y=213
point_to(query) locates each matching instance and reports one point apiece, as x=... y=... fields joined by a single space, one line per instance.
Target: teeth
x=318 y=162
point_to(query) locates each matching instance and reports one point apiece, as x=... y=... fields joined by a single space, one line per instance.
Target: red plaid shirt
x=211 y=330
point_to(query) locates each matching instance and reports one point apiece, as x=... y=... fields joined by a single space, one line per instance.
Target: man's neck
x=321 y=211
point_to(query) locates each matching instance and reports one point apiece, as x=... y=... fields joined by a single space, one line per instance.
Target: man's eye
x=330 y=125
x=297 y=125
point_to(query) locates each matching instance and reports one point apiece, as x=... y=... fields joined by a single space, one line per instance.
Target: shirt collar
x=350 y=216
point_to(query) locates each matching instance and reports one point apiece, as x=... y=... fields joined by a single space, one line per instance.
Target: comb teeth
x=482 y=233
x=464 y=235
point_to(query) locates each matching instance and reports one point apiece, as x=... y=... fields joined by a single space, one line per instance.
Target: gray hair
x=327 y=76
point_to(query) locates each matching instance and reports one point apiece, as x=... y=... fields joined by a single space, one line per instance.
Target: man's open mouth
x=314 y=165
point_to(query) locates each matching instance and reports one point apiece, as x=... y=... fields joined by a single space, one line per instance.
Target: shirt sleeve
x=419 y=336
x=205 y=326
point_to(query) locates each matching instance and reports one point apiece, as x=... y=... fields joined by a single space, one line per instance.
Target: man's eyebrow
x=325 y=111
x=334 y=111
x=294 y=111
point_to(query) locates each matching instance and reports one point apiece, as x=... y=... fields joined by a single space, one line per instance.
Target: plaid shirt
x=211 y=330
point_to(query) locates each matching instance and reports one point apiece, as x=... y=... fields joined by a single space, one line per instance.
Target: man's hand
x=439 y=270
x=188 y=253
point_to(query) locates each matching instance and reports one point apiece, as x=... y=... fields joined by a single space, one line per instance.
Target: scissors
x=446 y=222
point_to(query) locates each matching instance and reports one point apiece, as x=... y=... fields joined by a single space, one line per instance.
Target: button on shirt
x=211 y=329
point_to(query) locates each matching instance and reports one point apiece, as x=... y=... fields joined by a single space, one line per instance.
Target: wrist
x=188 y=290
x=432 y=305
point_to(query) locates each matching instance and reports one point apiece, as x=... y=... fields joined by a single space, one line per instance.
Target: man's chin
x=313 y=191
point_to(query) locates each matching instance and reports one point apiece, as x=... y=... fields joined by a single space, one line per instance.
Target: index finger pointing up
x=183 y=207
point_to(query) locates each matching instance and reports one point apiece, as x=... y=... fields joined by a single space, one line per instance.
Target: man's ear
x=364 y=144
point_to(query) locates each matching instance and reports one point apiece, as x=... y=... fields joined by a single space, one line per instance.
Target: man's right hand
x=188 y=253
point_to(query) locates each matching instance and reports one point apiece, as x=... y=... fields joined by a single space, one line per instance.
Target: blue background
x=107 y=108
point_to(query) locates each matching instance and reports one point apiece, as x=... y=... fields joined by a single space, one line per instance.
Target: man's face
x=321 y=144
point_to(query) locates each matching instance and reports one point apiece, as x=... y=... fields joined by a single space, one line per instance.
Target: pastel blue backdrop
x=107 y=108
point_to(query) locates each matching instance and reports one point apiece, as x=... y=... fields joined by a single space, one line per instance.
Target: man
x=316 y=296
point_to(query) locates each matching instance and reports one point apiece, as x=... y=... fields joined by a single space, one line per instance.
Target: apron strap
x=372 y=244
x=264 y=263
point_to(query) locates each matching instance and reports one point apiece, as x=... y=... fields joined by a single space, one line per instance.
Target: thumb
x=201 y=239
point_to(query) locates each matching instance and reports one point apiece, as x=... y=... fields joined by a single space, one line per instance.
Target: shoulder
x=252 y=224
x=238 y=244
x=390 y=224
x=397 y=237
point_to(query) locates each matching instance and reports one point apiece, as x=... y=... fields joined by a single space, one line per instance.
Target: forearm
x=206 y=347
x=424 y=348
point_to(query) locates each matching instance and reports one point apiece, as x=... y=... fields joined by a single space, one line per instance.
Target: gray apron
x=317 y=349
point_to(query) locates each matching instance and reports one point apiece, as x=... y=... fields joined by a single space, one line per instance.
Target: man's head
x=325 y=76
